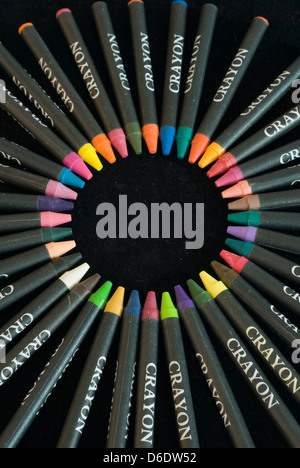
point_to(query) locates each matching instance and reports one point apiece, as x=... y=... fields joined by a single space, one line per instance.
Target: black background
x=153 y=264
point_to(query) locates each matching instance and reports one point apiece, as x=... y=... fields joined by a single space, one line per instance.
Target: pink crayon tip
x=118 y=140
x=225 y=163
x=50 y=219
x=150 y=310
x=234 y=261
x=63 y=10
x=240 y=190
x=233 y=176
x=58 y=190
x=77 y=165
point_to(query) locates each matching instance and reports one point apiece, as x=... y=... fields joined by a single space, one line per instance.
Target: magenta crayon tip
x=50 y=219
x=118 y=140
x=77 y=165
x=233 y=176
x=150 y=310
x=183 y=301
x=63 y=10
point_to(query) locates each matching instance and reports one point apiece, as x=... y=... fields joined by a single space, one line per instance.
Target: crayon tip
x=242 y=189
x=56 y=205
x=225 y=163
x=252 y=203
x=116 y=303
x=133 y=306
x=213 y=286
x=76 y=164
x=245 y=218
x=247 y=234
x=168 y=310
x=167 y=138
x=58 y=249
x=151 y=135
x=89 y=155
x=90 y=283
x=150 y=309
x=25 y=25
x=118 y=140
x=134 y=135
x=183 y=141
x=183 y=301
x=240 y=247
x=55 y=234
x=49 y=219
x=63 y=10
x=199 y=295
x=66 y=177
x=233 y=176
x=135 y=1
x=199 y=146
x=213 y=152
x=219 y=269
x=58 y=190
x=100 y=297
x=234 y=261
x=103 y=146
x=72 y=277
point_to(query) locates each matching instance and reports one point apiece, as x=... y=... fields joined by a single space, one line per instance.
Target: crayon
x=36 y=308
x=273 y=318
x=195 y=78
x=265 y=238
x=267 y=201
x=280 y=221
x=275 y=264
x=179 y=377
x=54 y=115
x=212 y=369
x=17 y=155
x=68 y=94
x=125 y=374
x=20 y=203
x=281 y=156
x=147 y=375
x=264 y=183
x=117 y=73
x=227 y=89
x=23 y=221
x=173 y=72
x=87 y=387
x=263 y=137
x=93 y=82
x=254 y=112
x=43 y=134
x=38 y=184
x=45 y=328
x=11 y=293
x=264 y=281
x=32 y=238
x=245 y=363
x=54 y=370
x=257 y=339
x=144 y=74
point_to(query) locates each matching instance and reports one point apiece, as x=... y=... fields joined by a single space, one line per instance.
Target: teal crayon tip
x=168 y=309
x=245 y=218
x=67 y=177
x=100 y=297
x=167 y=138
x=183 y=141
x=199 y=295
x=134 y=135
x=240 y=247
x=133 y=306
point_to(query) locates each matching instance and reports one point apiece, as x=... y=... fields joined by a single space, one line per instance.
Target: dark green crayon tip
x=134 y=135
x=240 y=247
x=199 y=295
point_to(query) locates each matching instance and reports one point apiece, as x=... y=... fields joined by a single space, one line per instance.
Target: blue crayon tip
x=133 y=306
x=167 y=138
x=180 y=1
x=67 y=177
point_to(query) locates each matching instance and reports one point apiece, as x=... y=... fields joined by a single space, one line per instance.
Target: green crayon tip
x=134 y=135
x=246 y=218
x=55 y=234
x=168 y=310
x=240 y=247
x=183 y=141
x=100 y=297
x=199 y=295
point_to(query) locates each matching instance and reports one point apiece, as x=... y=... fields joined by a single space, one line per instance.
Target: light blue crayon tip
x=167 y=138
x=179 y=1
x=67 y=177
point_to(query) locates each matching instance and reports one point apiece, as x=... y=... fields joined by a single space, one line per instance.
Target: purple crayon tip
x=182 y=299
x=53 y=204
x=247 y=234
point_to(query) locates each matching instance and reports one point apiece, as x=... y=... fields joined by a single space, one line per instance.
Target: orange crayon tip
x=57 y=249
x=242 y=189
x=151 y=135
x=135 y=1
x=199 y=146
x=25 y=25
x=213 y=152
x=103 y=147
x=264 y=19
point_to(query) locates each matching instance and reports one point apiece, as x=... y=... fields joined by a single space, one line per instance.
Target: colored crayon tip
x=242 y=189
x=133 y=306
x=63 y=10
x=135 y=1
x=58 y=190
x=103 y=147
x=56 y=205
x=118 y=140
x=73 y=277
x=183 y=140
x=167 y=310
x=167 y=138
x=58 y=249
x=49 y=219
x=67 y=177
x=233 y=176
x=55 y=234
x=213 y=152
x=213 y=286
x=116 y=303
x=245 y=218
x=219 y=269
x=134 y=135
x=25 y=25
x=240 y=247
x=100 y=297
x=225 y=163
x=183 y=301
x=234 y=261
x=150 y=310
x=199 y=295
x=89 y=155
x=76 y=164
x=199 y=146
x=151 y=135
x=91 y=282
x=252 y=202
x=244 y=233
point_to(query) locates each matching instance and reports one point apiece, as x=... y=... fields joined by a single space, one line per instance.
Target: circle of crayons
x=248 y=277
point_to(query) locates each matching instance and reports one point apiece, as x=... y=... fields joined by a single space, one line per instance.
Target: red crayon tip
x=199 y=146
x=150 y=310
x=225 y=163
x=63 y=10
x=234 y=261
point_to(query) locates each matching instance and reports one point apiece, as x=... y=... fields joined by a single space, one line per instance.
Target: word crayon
x=19 y=203
x=93 y=82
x=43 y=134
x=281 y=156
x=184 y=412
x=147 y=375
x=125 y=374
x=264 y=183
x=68 y=94
x=255 y=111
x=280 y=221
x=54 y=370
x=267 y=201
x=92 y=372
x=21 y=222
x=195 y=78
x=245 y=363
x=118 y=75
x=265 y=136
x=173 y=72
x=227 y=89
x=212 y=370
x=144 y=74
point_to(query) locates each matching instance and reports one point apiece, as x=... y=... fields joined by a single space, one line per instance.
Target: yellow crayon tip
x=89 y=155
x=213 y=152
x=212 y=286
x=116 y=304
x=103 y=147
